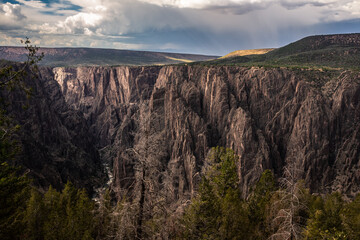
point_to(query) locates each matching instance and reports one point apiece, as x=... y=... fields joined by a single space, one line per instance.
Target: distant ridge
x=319 y=42
x=100 y=57
x=334 y=51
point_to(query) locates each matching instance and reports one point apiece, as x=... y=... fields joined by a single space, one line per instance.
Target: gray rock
x=269 y=117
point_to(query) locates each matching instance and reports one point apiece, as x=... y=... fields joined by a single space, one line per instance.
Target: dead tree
x=288 y=221
x=149 y=152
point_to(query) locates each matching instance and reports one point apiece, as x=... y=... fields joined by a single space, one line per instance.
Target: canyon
x=81 y=118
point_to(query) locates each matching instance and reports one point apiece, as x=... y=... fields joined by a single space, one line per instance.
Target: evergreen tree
x=34 y=216
x=65 y=215
x=54 y=217
x=69 y=214
x=13 y=197
x=352 y=218
x=218 y=212
x=259 y=205
x=14 y=187
x=82 y=216
x=325 y=221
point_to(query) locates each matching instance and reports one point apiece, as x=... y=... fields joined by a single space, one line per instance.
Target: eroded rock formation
x=79 y=118
x=54 y=138
x=270 y=117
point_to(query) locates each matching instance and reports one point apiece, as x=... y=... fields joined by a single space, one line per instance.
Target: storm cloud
x=193 y=26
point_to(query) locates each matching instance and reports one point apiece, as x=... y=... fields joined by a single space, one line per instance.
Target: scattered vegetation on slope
x=328 y=51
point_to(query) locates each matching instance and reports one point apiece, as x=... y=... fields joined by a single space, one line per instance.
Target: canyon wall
x=270 y=117
x=54 y=139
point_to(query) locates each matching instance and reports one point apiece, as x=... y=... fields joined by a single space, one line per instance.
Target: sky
x=213 y=27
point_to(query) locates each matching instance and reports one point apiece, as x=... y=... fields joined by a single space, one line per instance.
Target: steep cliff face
x=104 y=94
x=55 y=140
x=270 y=117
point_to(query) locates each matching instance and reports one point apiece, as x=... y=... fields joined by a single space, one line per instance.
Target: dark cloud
x=296 y=4
x=216 y=28
x=238 y=9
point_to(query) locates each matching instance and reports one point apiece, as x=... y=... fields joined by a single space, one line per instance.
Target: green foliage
x=14 y=187
x=59 y=215
x=218 y=212
x=8 y=146
x=34 y=216
x=305 y=53
x=325 y=221
x=223 y=173
x=13 y=196
x=202 y=217
x=351 y=218
x=12 y=75
x=259 y=205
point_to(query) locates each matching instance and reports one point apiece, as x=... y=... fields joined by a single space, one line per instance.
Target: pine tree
x=325 y=221
x=218 y=212
x=68 y=215
x=259 y=205
x=54 y=217
x=84 y=214
x=14 y=187
x=13 y=197
x=34 y=216
x=352 y=218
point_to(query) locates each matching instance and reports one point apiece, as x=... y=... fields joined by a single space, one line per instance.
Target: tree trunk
x=141 y=207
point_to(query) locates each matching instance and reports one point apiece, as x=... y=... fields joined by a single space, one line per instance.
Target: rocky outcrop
x=55 y=142
x=270 y=117
x=81 y=117
x=103 y=94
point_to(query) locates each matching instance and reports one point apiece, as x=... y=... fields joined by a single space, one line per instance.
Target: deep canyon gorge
x=80 y=118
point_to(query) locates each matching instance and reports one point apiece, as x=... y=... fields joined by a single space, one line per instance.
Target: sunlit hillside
x=248 y=52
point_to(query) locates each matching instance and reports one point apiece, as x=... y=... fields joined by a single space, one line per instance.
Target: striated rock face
x=80 y=118
x=104 y=95
x=270 y=117
x=55 y=140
